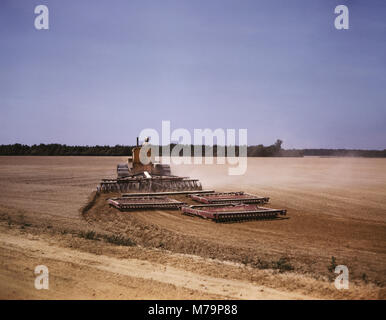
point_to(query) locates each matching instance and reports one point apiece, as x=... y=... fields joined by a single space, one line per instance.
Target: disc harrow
x=166 y=193
x=228 y=197
x=147 y=202
x=232 y=212
x=153 y=184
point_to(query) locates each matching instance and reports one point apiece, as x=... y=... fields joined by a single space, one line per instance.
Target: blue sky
x=105 y=70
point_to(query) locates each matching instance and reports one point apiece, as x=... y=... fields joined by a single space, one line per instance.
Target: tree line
x=274 y=150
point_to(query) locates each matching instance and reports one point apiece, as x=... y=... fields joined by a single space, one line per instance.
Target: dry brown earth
x=336 y=207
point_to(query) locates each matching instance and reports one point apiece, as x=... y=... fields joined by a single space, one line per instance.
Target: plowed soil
x=336 y=208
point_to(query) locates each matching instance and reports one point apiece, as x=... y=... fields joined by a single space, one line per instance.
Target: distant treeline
x=344 y=153
x=274 y=150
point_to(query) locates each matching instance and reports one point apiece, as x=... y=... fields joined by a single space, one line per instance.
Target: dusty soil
x=336 y=207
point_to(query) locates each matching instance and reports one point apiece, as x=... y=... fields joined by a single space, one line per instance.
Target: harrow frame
x=155 y=184
x=145 y=202
x=228 y=197
x=232 y=212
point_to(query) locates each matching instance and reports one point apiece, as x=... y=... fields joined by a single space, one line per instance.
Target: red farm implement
x=228 y=197
x=232 y=212
x=146 y=202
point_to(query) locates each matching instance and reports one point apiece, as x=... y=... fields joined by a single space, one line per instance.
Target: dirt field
x=336 y=207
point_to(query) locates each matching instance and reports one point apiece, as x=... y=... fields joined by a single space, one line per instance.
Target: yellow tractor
x=134 y=176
